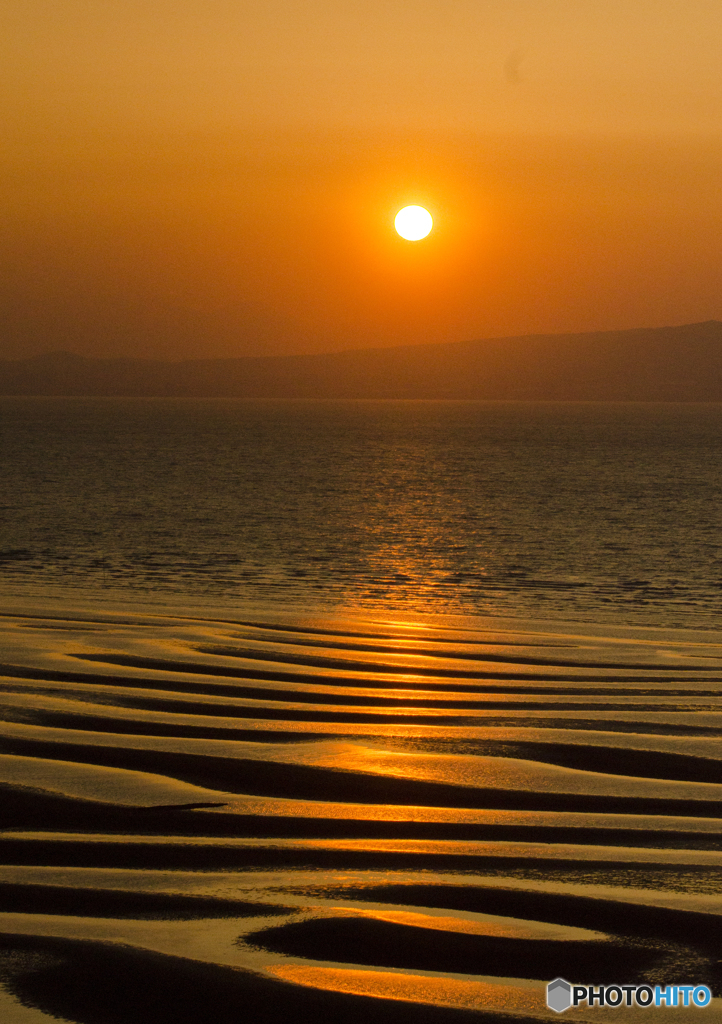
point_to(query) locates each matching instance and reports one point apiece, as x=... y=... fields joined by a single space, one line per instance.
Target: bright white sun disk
x=413 y=223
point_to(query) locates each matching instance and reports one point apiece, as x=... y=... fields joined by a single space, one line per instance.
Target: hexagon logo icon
x=559 y=995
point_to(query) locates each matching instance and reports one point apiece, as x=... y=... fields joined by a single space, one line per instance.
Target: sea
x=322 y=711
x=576 y=512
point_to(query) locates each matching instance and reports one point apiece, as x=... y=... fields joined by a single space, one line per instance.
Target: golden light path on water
x=316 y=818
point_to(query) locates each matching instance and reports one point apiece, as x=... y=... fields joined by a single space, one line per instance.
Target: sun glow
x=413 y=223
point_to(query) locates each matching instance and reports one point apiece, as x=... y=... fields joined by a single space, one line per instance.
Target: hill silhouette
x=647 y=364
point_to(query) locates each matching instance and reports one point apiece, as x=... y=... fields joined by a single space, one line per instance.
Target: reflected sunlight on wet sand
x=310 y=817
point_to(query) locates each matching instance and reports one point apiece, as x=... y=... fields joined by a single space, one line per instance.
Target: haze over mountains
x=660 y=364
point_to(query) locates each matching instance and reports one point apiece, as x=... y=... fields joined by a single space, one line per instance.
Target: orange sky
x=184 y=178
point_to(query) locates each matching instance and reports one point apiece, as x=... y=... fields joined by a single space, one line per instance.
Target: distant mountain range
x=661 y=364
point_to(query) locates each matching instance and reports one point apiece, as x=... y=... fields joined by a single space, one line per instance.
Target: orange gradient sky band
x=185 y=179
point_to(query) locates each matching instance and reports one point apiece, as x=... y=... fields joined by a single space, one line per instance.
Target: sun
x=413 y=223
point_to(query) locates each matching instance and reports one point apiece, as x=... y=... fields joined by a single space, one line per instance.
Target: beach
x=321 y=710
x=309 y=817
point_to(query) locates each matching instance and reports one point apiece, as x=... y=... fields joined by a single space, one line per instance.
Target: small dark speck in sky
x=511 y=66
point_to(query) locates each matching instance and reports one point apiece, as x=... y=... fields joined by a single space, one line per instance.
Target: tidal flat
x=305 y=817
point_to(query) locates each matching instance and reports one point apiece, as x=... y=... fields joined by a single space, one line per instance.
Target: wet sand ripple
x=321 y=819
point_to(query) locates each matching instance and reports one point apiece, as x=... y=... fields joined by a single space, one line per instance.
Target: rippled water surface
x=316 y=712
x=578 y=511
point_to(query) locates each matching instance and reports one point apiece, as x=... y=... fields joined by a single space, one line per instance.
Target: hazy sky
x=184 y=178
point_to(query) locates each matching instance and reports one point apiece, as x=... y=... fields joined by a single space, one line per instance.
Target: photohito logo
x=561 y=995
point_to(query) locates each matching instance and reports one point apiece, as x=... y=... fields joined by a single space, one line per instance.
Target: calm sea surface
x=579 y=512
